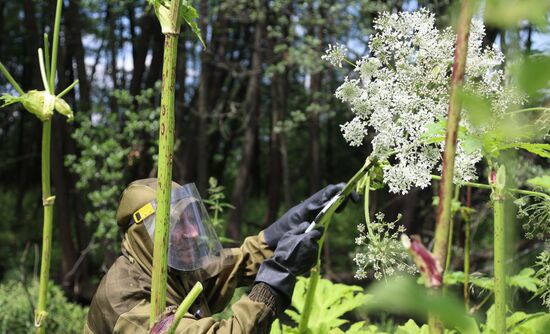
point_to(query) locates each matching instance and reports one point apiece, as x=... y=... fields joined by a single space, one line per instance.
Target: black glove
x=295 y=254
x=305 y=211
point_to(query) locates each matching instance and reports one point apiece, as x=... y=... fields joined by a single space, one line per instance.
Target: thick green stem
x=184 y=306
x=498 y=197
x=166 y=150
x=47 y=198
x=451 y=133
x=47 y=201
x=325 y=220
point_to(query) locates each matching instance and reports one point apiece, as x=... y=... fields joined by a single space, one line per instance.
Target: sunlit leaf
x=402 y=295
x=509 y=13
x=533 y=75
x=540 y=181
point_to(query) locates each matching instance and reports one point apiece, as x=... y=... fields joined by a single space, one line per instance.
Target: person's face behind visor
x=192 y=243
x=184 y=239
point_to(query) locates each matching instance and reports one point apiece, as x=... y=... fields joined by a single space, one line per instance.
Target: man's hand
x=302 y=212
x=295 y=254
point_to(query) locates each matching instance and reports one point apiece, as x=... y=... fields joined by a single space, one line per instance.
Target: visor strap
x=143 y=212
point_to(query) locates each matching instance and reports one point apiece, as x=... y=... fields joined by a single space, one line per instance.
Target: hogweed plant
x=436 y=102
x=401 y=91
x=42 y=104
x=170 y=15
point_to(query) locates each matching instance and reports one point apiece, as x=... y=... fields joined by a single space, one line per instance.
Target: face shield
x=192 y=242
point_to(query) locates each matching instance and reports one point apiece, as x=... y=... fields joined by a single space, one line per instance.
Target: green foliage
x=543 y=274
x=17 y=315
x=332 y=301
x=217 y=205
x=542 y=182
x=526 y=279
x=110 y=147
x=510 y=13
x=519 y=323
x=410 y=327
x=403 y=295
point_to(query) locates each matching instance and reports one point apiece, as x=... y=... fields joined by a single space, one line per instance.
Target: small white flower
x=354 y=131
x=335 y=54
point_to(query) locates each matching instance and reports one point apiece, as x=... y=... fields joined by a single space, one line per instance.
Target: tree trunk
x=252 y=108
x=275 y=176
x=73 y=31
x=148 y=25
x=63 y=221
x=203 y=107
x=31 y=75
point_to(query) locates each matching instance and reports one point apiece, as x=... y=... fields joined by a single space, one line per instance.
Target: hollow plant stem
x=498 y=198
x=47 y=198
x=184 y=306
x=451 y=133
x=325 y=220
x=166 y=150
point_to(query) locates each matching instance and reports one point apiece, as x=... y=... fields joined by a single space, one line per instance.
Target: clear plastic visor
x=192 y=243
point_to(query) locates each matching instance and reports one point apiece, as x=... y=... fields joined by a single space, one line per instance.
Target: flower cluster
x=536 y=212
x=335 y=54
x=402 y=88
x=379 y=248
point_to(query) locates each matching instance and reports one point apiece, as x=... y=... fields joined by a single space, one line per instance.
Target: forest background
x=254 y=109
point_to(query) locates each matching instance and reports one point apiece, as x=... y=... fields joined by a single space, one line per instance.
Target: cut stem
x=325 y=220
x=166 y=150
x=184 y=306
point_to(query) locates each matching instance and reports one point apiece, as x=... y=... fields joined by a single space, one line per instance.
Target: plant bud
x=63 y=108
x=40 y=103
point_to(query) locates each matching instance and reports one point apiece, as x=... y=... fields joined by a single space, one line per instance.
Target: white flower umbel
x=380 y=250
x=403 y=87
x=335 y=54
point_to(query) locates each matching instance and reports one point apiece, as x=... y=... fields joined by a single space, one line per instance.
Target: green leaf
x=435 y=132
x=410 y=327
x=402 y=295
x=478 y=108
x=533 y=75
x=471 y=144
x=526 y=280
x=332 y=301
x=189 y=15
x=510 y=13
x=540 y=182
x=539 y=149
